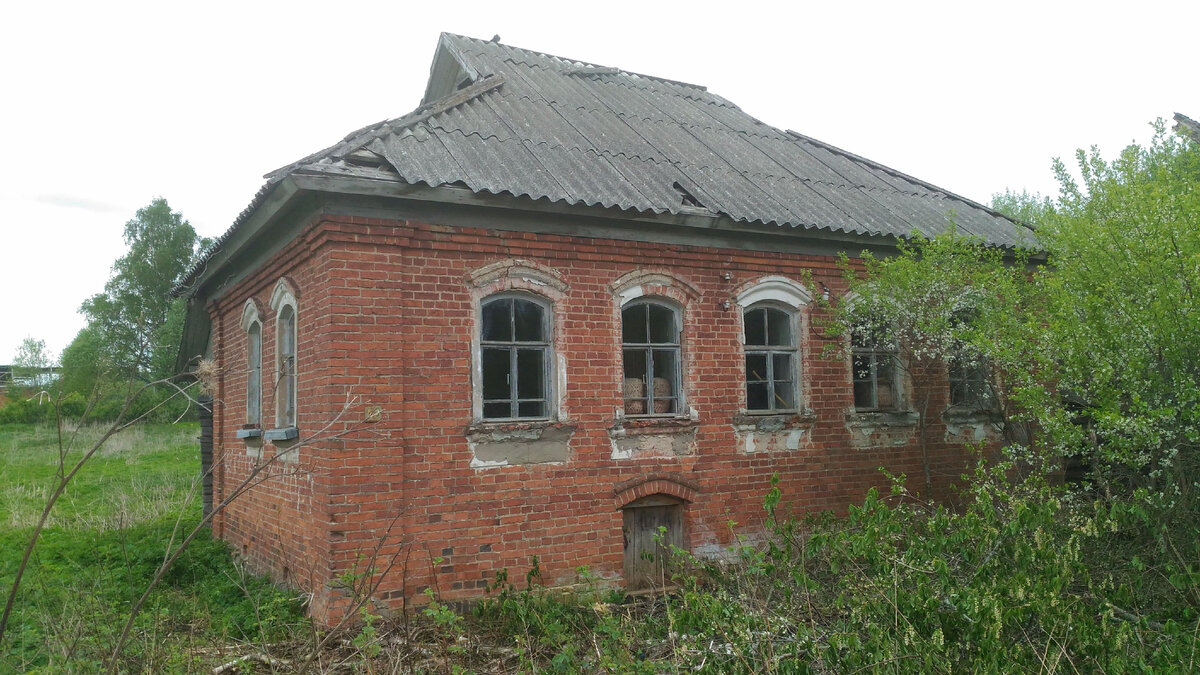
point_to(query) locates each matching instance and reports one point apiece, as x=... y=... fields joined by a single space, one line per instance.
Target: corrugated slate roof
x=539 y=126
x=573 y=132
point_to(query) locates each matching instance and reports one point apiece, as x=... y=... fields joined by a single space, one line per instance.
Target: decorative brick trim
x=644 y=486
x=653 y=281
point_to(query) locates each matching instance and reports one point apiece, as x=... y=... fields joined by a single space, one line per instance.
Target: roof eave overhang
x=696 y=222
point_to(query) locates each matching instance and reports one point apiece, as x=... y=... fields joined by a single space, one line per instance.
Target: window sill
x=766 y=421
x=882 y=418
x=969 y=415
x=655 y=425
x=492 y=426
x=249 y=433
x=282 y=434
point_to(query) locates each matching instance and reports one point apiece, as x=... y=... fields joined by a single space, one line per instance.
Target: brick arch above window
x=283 y=294
x=653 y=282
x=644 y=486
x=517 y=274
x=774 y=289
x=251 y=314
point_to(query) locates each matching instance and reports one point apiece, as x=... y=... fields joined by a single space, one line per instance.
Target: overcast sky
x=108 y=105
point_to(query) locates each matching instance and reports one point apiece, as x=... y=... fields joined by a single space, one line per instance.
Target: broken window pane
x=779 y=328
x=527 y=321
x=633 y=325
x=756 y=327
x=497 y=321
x=662 y=325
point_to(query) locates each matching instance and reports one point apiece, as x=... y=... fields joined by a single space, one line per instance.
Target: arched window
x=283 y=301
x=254 y=375
x=515 y=357
x=770 y=359
x=875 y=368
x=650 y=342
x=252 y=324
x=285 y=391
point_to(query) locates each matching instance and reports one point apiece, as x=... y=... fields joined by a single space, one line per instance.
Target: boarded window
x=876 y=376
x=515 y=358
x=651 y=355
x=770 y=359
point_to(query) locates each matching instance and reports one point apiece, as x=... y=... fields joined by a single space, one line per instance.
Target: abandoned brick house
x=570 y=304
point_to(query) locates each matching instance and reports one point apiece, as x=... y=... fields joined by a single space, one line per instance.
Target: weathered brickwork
x=387 y=314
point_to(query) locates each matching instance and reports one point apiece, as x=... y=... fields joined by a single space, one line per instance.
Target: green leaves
x=138 y=322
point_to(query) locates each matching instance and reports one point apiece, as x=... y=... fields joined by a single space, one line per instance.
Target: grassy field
x=104 y=540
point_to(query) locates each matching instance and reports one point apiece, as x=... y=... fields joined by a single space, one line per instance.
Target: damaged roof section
x=508 y=121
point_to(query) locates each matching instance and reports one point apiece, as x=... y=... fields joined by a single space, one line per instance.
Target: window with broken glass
x=875 y=365
x=651 y=354
x=515 y=358
x=770 y=359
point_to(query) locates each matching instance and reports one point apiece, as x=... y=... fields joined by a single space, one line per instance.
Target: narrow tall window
x=285 y=390
x=651 y=351
x=770 y=359
x=515 y=358
x=254 y=375
x=876 y=376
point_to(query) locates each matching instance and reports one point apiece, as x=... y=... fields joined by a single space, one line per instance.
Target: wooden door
x=644 y=555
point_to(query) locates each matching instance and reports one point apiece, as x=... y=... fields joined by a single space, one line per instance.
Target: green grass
x=103 y=543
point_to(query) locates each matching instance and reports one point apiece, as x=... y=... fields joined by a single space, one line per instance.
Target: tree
x=1097 y=348
x=1031 y=208
x=83 y=364
x=129 y=316
x=32 y=363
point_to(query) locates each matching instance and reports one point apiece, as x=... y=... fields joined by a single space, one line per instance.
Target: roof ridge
x=578 y=61
x=900 y=174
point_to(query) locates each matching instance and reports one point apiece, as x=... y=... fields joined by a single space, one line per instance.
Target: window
x=285 y=389
x=875 y=370
x=515 y=358
x=651 y=354
x=770 y=359
x=969 y=385
x=254 y=375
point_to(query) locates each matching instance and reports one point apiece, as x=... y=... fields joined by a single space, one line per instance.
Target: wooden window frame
x=649 y=348
x=514 y=346
x=791 y=350
x=874 y=354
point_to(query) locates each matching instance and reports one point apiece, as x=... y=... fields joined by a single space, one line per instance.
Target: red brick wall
x=386 y=315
